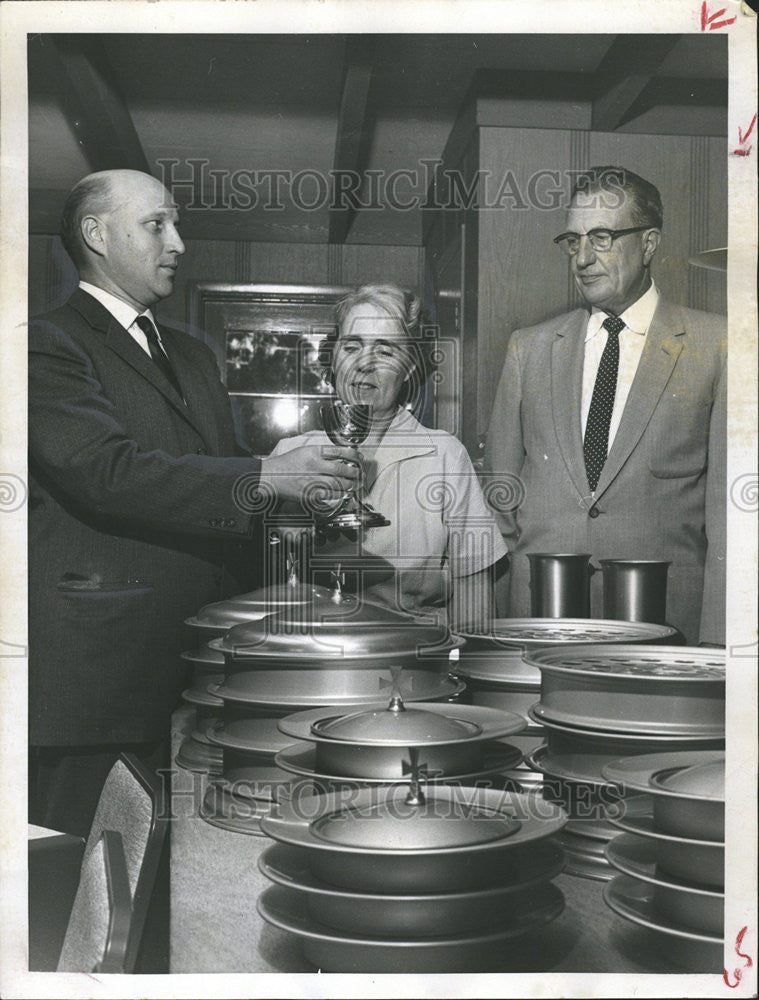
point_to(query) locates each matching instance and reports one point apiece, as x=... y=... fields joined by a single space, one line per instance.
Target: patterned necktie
x=157 y=352
x=596 y=444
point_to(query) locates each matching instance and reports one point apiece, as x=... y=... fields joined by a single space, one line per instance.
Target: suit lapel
x=122 y=343
x=193 y=381
x=664 y=341
x=566 y=393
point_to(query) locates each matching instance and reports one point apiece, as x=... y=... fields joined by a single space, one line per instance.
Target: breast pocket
x=678 y=437
x=106 y=606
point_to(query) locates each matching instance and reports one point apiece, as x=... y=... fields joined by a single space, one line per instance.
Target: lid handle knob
x=338 y=582
x=396 y=698
x=417 y=771
x=292 y=570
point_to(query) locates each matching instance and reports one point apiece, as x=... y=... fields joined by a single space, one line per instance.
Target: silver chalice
x=348 y=425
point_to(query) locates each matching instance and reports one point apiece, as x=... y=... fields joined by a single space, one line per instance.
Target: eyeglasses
x=600 y=239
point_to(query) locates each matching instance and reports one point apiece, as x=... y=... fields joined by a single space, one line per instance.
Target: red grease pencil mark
x=741 y=137
x=709 y=21
x=743 y=150
x=738 y=973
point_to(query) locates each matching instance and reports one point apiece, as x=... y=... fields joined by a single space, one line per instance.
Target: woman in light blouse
x=436 y=555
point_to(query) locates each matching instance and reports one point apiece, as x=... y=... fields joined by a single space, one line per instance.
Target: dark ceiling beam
x=354 y=131
x=528 y=84
x=676 y=91
x=623 y=74
x=93 y=104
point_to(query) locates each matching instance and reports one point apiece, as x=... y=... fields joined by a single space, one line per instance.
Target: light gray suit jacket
x=661 y=494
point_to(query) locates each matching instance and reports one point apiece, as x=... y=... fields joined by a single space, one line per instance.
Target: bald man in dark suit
x=138 y=498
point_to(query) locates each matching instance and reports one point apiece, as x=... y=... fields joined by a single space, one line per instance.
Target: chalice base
x=353 y=514
x=358 y=519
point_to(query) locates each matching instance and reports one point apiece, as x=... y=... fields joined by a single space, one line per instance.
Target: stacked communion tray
x=401 y=878
x=336 y=650
x=600 y=703
x=498 y=673
x=198 y=752
x=381 y=743
x=671 y=853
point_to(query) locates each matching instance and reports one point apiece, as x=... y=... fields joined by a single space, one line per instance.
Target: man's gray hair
x=616 y=182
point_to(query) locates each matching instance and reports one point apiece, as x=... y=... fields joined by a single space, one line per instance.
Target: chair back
x=121 y=856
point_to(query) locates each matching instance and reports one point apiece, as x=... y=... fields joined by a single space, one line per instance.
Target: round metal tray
x=413 y=914
x=596 y=829
x=491 y=723
x=649 y=664
x=292 y=596
x=682 y=901
x=534 y=633
x=681 y=813
x=205 y=656
x=256 y=782
x=585 y=856
x=612 y=745
x=665 y=690
x=421 y=686
x=202 y=698
x=207 y=629
x=333 y=683
x=221 y=616
x=634 y=900
x=529 y=739
x=505 y=670
x=504 y=700
x=223 y=809
x=366 y=633
x=259 y=736
x=402 y=868
x=636 y=772
x=199 y=757
x=584 y=799
x=302 y=760
x=578 y=768
x=523 y=782
x=332 y=950
x=677 y=856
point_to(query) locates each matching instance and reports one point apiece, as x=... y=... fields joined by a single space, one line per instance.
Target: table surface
x=215 y=926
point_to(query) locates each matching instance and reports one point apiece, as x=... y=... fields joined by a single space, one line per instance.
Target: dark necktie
x=596 y=444
x=157 y=352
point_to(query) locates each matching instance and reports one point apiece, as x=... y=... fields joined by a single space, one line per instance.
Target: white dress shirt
x=637 y=319
x=123 y=313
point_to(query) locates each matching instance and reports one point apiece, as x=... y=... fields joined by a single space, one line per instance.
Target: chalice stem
x=350 y=424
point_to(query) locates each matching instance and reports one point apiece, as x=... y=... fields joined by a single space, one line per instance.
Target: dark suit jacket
x=661 y=494
x=131 y=509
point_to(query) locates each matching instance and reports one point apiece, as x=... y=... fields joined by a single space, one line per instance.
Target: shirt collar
x=121 y=311
x=404 y=438
x=637 y=317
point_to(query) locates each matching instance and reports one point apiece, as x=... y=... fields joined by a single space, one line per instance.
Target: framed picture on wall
x=266 y=339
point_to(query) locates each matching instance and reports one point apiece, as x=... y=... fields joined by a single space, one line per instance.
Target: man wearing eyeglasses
x=614 y=416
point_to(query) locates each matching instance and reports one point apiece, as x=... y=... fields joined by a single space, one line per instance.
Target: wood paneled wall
x=52 y=276
x=515 y=276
